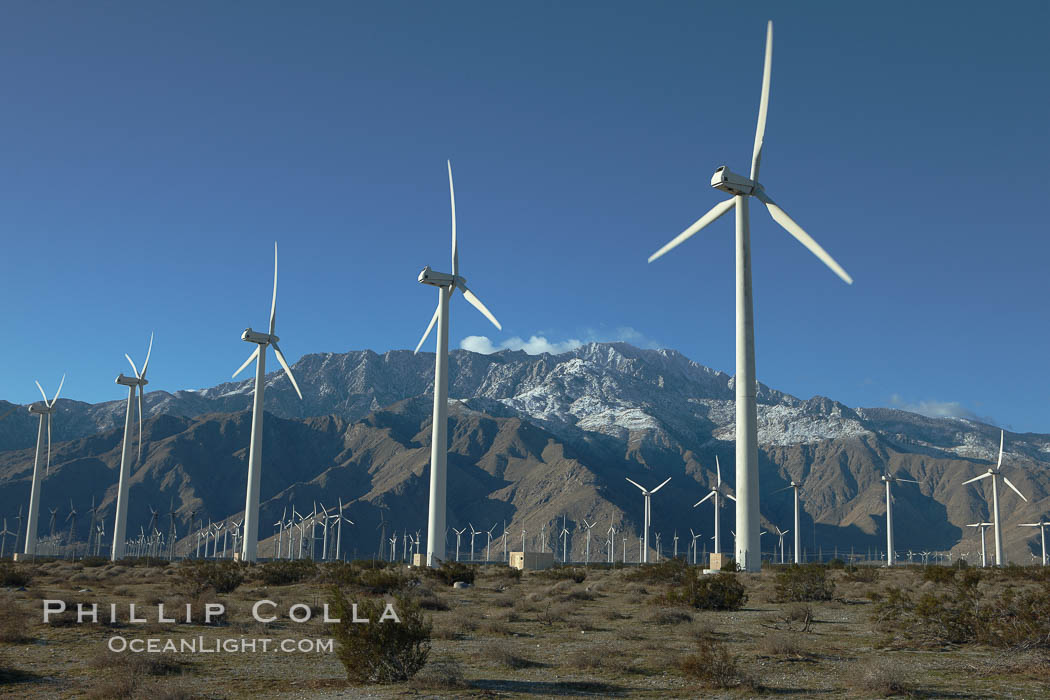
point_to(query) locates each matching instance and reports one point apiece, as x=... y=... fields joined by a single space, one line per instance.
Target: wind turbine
x=612 y=544
x=459 y=534
x=3 y=538
x=696 y=536
x=716 y=493
x=748 y=548
x=647 y=494
x=488 y=546
x=446 y=284
x=138 y=381
x=339 y=531
x=780 y=534
x=889 y=479
x=984 y=527
x=44 y=411
x=1042 y=525
x=72 y=520
x=796 y=488
x=587 y=555
x=995 y=473
x=473 y=533
x=250 y=545
x=564 y=542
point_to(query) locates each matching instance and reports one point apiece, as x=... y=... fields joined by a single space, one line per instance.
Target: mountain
x=532 y=438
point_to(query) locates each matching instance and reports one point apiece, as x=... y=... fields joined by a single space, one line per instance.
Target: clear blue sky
x=151 y=153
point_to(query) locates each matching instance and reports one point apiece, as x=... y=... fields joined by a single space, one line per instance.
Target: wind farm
x=604 y=373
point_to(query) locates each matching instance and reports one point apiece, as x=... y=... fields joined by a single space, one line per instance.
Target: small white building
x=531 y=561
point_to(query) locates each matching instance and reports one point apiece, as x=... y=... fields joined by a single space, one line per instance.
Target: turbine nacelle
x=439 y=279
x=131 y=381
x=40 y=409
x=726 y=180
x=251 y=336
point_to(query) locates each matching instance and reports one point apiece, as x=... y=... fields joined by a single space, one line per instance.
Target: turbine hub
x=437 y=279
x=251 y=336
x=726 y=180
x=130 y=381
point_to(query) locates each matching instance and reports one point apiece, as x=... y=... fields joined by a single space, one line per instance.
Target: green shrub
x=803 y=582
x=380 y=652
x=284 y=573
x=861 y=574
x=451 y=571
x=730 y=566
x=563 y=573
x=382 y=581
x=717 y=592
x=836 y=563
x=672 y=571
x=93 y=562
x=939 y=574
x=14 y=576
x=198 y=576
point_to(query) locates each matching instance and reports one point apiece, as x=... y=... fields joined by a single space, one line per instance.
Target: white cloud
x=938 y=409
x=537 y=344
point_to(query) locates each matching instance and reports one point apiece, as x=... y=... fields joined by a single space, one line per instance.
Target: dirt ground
x=605 y=636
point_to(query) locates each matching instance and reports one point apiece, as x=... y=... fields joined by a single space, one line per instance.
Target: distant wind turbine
x=995 y=473
x=748 y=546
x=889 y=479
x=647 y=517
x=44 y=410
x=1042 y=525
x=796 y=489
x=717 y=492
x=138 y=381
x=250 y=545
x=447 y=284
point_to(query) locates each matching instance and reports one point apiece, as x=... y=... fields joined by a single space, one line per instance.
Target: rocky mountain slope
x=533 y=438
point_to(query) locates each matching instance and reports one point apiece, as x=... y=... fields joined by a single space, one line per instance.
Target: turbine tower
x=889 y=479
x=250 y=545
x=132 y=383
x=995 y=473
x=647 y=517
x=44 y=411
x=446 y=284
x=748 y=547
x=1042 y=525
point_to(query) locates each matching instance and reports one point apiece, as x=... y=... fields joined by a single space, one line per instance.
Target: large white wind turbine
x=446 y=284
x=890 y=479
x=995 y=472
x=44 y=410
x=138 y=381
x=250 y=544
x=748 y=547
x=648 y=516
x=717 y=492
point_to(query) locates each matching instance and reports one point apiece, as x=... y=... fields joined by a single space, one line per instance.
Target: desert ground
x=567 y=632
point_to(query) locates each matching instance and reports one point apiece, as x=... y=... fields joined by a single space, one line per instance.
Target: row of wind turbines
x=747 y=532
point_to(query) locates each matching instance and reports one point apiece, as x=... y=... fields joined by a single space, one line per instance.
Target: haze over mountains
x=532 y=438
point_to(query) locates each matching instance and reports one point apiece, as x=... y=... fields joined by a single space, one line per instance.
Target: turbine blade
x=248 y=361
x=976 y=478
x=703 y=499
x=476 y=303
x=660 y=486
x=779 y=490
x=763 y=103
x=287 y=369
x=1001 y=434
x=789 y=225
x=48 y=471
x=910 y=481
x=132 y=363
x=42 y=393
x=59 y=391
x=452 y=198
x=718 y=471
x=1008 y=483
x=148 y=351
x=273 y=302
x=711 y=216
x=730 y=497
x=636 y=484
x=430 y=326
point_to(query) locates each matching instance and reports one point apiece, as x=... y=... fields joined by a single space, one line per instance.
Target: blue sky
x=152 y=153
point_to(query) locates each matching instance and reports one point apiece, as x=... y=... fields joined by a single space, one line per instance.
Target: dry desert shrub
x=506 y=656
x=13 y=623
x=505 y=600
x=780 y=644
x=440 y=674
x=803 y=583
x=880 y=679
x=668 y=616
x=380 y=652
x=712 y=666
x=587 y=659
